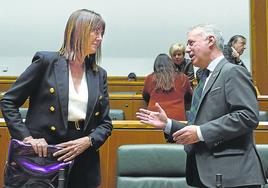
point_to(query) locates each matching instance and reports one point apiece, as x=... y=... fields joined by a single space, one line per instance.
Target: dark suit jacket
x=46 y=84
x=227 y=52
x=227 y=116
x=187 y=68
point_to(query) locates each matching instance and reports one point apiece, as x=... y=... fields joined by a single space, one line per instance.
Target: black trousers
x=85 y=172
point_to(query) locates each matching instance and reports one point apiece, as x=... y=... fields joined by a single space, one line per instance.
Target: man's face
x=240 y=45
x=198 y=48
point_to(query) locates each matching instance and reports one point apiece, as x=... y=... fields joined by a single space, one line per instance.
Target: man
x=219 y=136
x=234 y=49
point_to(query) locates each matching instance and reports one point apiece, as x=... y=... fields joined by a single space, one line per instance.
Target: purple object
x=26 y=169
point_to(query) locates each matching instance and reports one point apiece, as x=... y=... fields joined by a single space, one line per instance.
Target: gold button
x=51 y=90
x=97 y=113
x=52 y=128
x=100 y=97
x=52 y=109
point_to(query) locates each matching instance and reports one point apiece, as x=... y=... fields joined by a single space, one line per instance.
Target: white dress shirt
x=77 y=107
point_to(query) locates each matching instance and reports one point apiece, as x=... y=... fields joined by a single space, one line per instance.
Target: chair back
x=151 y=166
x=263 y=152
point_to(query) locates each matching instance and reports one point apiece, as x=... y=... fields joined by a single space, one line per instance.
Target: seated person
x=234 y=49
x=132 y=77
x=167 y=87
x=177 y=53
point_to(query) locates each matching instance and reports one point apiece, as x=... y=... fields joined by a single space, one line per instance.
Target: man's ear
x=211 y=40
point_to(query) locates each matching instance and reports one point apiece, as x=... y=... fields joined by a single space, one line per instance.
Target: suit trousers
x=194 y=179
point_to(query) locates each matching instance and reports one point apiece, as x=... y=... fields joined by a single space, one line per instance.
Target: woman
x=167 y=87
x=68 y=100
x=177 y=54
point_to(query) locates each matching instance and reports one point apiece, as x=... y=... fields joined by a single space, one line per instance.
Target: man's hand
x=156 y=119
x=72 y=149
x=39 y=145
x=186 y=135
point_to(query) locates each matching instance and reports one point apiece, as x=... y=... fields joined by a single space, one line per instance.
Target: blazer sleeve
x=23 y=88
x=104 y=128
x=241 y=102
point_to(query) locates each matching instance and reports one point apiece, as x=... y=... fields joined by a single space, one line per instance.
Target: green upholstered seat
x=23 y=112
x=151 y=166
x=117 y=114
x=263 y=116
x=263 y=152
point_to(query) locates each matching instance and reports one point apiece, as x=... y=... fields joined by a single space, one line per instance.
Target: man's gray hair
x=209 y=29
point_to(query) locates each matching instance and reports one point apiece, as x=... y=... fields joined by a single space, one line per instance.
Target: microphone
x=61 y=178
x=219 y=180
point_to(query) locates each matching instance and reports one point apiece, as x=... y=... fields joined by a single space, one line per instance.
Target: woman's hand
x=156 y=119
x=72 y=149
x=39 y=145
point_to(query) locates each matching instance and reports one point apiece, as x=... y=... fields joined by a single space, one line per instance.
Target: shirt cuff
x=168 y=126
x=199 y=134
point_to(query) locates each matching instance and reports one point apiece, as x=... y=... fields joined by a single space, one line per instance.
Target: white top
x=77 y=107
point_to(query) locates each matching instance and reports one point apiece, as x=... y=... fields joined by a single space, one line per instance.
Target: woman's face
x=178 y=57
x=93 y=42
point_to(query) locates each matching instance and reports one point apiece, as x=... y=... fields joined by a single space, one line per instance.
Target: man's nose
x=187 y=50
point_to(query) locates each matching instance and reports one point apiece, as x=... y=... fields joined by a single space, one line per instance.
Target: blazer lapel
x=211 y=80
x=62 y=87
x=93 y=93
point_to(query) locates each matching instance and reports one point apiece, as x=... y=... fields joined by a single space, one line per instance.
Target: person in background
x=68 y=100
x=177 y=54
x=234 y=49
x=219 y=136
x=167 y=87
x=132 y=76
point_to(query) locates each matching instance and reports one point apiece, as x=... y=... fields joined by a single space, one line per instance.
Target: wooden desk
x=263 y=102
x=129 y=103
x=125 y=132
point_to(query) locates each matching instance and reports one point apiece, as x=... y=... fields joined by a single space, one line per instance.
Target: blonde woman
x=177 y=54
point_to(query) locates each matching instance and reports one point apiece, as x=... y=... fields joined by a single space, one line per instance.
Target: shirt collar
x=214 y=63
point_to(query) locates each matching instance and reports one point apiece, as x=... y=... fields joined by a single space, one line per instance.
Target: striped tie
x=197 y=96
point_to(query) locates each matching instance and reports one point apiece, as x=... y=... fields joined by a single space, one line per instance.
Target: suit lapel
x=62 y=87
x=93 y=92
x=211 y=80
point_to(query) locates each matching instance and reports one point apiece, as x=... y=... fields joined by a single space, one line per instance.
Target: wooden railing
x=125 y=132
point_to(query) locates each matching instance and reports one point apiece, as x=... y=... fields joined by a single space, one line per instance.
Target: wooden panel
x=137 y=104
x=125 y=132
x=261 y=136
x=125 y=105
x=4 y=141
x=259 y=45
x=263 y=102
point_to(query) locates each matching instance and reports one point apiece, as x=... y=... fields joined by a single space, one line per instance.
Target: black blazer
x=45 y=83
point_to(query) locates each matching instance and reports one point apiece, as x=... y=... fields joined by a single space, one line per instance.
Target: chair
x=263 y=152
x=151 y=166
x=23 y=112
x=263 y=116
x=117 y=114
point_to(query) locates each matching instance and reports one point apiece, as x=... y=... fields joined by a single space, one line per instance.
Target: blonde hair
x=77 y=31
x=174 y=48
